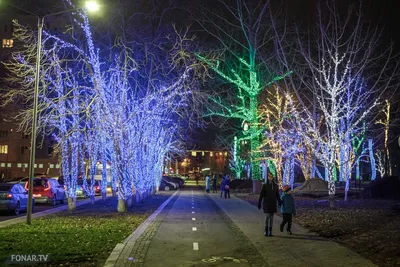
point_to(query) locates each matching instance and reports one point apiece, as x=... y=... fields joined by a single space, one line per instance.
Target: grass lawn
x=369 y=227
x=82 y=238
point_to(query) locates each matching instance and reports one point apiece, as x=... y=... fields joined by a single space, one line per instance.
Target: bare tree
x=347 y=74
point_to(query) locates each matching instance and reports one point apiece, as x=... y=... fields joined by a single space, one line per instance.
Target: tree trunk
x=331 y=184
x=114 y=193
x=256 y=186
x=121 y=206
x=372 y=160
x=291 y=180
x=71 y=204
x=286 y=171
x=346 y=188
x=92 y=199
x=313 y=167
x=332 y=189
x=129 y=202
x=104 y=195
x=137 y=201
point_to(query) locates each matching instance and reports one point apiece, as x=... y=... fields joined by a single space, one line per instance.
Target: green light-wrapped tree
x=248 y=74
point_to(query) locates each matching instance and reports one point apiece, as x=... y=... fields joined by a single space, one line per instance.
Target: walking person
x=214 y=183
x=269 y=195
x=227 y=186
x=287 y=209
x=197 y=179
x=222 y=186
x=208 y=183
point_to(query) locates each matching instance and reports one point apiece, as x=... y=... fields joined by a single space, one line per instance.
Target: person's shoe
x=281 y=228
x=289 y=231
x=265 y=234
x=270 y=231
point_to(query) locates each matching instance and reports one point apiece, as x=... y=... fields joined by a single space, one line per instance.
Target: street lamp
x=245 y=126
x=90 y=6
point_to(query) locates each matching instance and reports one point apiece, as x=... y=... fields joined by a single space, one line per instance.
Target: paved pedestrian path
x=199 y=229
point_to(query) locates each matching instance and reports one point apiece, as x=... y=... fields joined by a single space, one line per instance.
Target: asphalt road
x=195 y=232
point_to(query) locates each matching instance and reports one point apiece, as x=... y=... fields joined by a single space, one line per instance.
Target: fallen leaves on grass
x=367 y=226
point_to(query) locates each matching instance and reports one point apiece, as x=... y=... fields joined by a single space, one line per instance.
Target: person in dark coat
x=287 y=209
x=269 y=196
x=222 y=187
x=227 y=186
x=214 y=184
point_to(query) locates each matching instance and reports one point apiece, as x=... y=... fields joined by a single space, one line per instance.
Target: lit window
x=35 y=166
x=202 y=153
x=2 y=165
x=194 y=153
x=19 y=165
x=57 y=166
x=226 y=154
x=8 y=43
x=211 y=154
x=8 y=165
x=25 y=165
x=41 y=166
x=4 y=149
x=51 y=166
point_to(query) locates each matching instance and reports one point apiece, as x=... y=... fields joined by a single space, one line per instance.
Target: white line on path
x=194 y=228
x=193 y=219
x=195 y=246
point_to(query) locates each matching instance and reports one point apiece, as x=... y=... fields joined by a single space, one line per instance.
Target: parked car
x=14 y=198
x=82 y=189
x=80 y=186
x=109 y=188
x=164 y=186
x=173 y=180
x=97 y=188
x=178 y=180
x=169 y=183
x=47 y=190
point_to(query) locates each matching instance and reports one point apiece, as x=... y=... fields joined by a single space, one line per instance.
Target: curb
x=43 y=213
x=115 y=254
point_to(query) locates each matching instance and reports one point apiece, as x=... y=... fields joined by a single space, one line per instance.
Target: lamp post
x=91 y=6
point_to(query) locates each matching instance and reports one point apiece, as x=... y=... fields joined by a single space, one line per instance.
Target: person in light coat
x=208 y=183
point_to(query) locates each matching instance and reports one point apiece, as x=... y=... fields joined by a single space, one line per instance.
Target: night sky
x=384 y=13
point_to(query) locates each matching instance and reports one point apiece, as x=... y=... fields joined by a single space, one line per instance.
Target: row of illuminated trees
x=115 y=105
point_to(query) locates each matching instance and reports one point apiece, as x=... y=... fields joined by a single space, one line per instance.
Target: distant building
x=199 y=162
x=15 y=153
x=15 y=146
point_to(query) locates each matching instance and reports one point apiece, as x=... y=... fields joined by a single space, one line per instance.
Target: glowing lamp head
x=92 y=6
x=246 y=126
